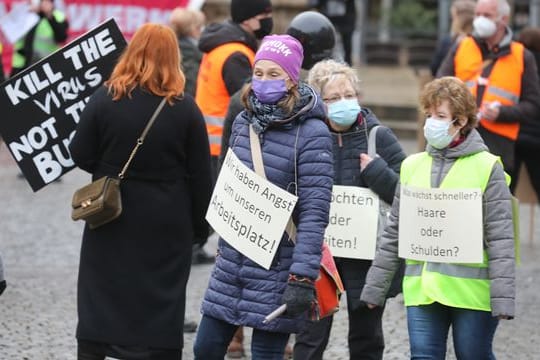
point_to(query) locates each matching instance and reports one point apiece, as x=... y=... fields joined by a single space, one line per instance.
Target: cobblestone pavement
x=40 y=248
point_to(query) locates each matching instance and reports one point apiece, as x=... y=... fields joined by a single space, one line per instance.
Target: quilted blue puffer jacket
x=242 y=292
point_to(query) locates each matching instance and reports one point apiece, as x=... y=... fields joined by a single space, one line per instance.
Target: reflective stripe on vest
x=427 y=282
x=211 y=95
x=214 y=127
x=501 y=87
x=43 y=45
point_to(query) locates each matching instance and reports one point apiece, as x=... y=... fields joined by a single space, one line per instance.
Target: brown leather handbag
x=100 y=202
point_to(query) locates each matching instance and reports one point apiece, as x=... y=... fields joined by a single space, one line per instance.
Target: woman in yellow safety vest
x=471 y=298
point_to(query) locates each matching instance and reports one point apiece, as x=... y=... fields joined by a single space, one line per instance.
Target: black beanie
x=245 y=9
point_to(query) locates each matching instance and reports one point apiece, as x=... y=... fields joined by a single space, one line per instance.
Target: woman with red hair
x=133 y=271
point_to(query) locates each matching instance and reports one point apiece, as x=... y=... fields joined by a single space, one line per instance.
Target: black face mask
x=266 y=28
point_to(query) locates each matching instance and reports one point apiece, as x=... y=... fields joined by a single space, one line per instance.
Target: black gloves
x=2 y=286
x=299 y=295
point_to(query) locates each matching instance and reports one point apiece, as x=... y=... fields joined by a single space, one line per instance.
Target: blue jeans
x=472 y=331
x=215 y=335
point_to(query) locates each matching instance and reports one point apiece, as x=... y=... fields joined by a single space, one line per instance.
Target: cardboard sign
x=15 y=24
x=441 y=225
x=248 y=211
x=41 y=105
x=352 y=229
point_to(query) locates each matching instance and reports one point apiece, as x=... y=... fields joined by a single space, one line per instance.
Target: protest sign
x=352 y=227
x=42 y=104
x=248 y=211
x=441 y=225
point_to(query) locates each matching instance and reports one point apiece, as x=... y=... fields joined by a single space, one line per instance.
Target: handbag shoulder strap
x=372 y=142
x=140 y=140
x=258 y=166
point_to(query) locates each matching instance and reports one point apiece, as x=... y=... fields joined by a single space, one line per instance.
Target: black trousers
x=366 y=339
x=90 y=350
x=528 y=156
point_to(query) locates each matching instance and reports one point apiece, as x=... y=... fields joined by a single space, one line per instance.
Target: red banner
x=84 y=15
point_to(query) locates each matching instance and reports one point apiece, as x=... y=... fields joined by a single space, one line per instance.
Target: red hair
x=150 y=61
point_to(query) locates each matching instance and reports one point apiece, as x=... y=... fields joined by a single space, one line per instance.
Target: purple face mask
x=269 y=91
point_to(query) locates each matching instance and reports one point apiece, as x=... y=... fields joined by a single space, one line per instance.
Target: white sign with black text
x=441 y=225
x=352 y=229
x=248 y=211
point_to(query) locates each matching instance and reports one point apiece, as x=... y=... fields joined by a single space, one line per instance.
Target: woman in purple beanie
x=288 y=119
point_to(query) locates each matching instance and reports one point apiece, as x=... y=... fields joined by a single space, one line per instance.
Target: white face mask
x=484 y=27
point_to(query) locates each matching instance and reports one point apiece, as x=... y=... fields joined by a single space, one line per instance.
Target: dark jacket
x=191 y=59
x=529 y=131
x=381 y=176
x=342 y=13
x=240 y=291
x=529 y=103
x=133 y=271
x=237 y=67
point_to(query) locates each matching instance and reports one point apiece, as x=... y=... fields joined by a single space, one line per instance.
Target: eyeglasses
x=335 y=98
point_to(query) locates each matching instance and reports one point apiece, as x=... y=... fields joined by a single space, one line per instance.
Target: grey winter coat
x=498 y=232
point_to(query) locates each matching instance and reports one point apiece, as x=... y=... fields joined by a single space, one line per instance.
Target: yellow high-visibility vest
x=465 y=286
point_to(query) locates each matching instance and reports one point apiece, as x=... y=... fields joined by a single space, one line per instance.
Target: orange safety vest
x=212 y=96
x=502 y=85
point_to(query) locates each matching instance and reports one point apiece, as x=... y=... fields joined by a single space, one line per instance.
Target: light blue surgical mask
x=436 y=132
x=344 y=112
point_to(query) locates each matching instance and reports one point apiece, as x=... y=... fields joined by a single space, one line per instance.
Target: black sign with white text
x=42 y=104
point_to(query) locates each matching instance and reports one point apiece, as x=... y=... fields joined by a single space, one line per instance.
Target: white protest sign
x=16 y=23
x=441 y=225
x=248 y=211
x=352 y=229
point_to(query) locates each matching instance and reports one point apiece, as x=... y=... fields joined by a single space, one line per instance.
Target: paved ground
x=40 y=247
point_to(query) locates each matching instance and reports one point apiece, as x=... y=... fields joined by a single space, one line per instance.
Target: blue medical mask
x=269 y=91
x=344 y=112
x=436 y=132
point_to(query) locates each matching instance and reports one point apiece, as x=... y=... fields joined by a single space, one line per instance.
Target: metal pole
x=359 y=36
x=534 y=12
x=444 y=18
x=384 y=22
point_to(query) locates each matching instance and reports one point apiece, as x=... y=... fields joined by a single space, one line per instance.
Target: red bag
x=328 y=286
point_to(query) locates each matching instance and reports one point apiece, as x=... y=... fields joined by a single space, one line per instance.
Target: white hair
x=503 y=8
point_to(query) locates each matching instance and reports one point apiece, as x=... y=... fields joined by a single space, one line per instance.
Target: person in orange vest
x=229 y=49
x=502 y=76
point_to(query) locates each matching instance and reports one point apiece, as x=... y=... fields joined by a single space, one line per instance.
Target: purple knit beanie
x=285 y=51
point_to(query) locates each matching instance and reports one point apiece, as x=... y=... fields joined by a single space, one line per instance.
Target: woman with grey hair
x=350 y=126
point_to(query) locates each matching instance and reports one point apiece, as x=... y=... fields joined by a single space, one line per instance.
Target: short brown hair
x=460 y=100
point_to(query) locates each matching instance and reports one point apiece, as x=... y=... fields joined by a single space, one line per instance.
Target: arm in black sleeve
x=443 y=46
x=235 y=107
x=60 y=29
x=447 y=67
x=529 y=101
x=199 y=175
x=236 y=70
x=382 y=174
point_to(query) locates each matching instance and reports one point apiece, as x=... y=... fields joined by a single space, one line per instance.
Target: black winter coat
x=381 y=176
x=133 y=271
